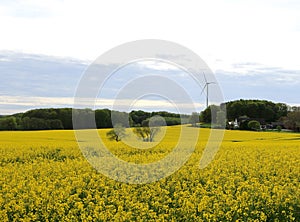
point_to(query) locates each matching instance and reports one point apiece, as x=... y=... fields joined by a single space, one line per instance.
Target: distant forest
x=268 y=114
x=61 y=118
x=262 y=111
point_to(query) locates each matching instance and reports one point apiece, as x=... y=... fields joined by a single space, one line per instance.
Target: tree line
x=61 y=118
x=253 y=111
x=261 y=111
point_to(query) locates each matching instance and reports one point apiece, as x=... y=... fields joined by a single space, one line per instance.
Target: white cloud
x=158 y=65
x=4 y=60
x=25 y=103
x=147 y=104
x=265 y=74
x=265 y=32
x=257 y=35
x=36 y=101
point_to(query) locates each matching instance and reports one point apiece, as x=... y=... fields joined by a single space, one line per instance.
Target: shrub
x=254 y=125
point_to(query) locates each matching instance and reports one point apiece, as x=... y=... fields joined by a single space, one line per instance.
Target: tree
x=103 y=118
x=55 y=124
x=117 y=134
x=221 y=119
x=8 y=123
x=146 y=133
x=261 y=109
x=209 y=115
x=84 y=118
x=138 y=117
x=171 y=121
x=37 y=124
x=121 y=118
x=243 y=125
x=65 y=116
x=194 y=118
x=25 y=123
x=292 y=121
x=279 y=128
x=254 y=125
x=281 y=110
x=205 y=115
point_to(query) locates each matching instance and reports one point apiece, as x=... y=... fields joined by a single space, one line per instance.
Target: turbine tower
x=206 y=85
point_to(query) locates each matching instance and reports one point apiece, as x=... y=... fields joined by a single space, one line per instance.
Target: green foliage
x=8 y=123
x=171 y=121
x=42 y=113
x=146 y=133
x=209 y=115
x=254 y=125
x=65 y=116
x=292 y=121
x=54 y=124
x=205 y=115
x=279 y=128
x=43 y=119
x=261 y=109
x=103 y=118
x=244 y=125
x=165 y=114
x=54 y=118
x=41 y=124
x=253 y=109
x=117 y=134
x=139 y=116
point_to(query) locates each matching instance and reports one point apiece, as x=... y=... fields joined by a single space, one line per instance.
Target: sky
x=46 y=46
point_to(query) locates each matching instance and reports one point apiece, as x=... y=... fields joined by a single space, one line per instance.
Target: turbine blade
x=203 y=89
x=204 y=77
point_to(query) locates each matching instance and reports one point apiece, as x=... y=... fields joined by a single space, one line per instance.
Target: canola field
x=255 y=176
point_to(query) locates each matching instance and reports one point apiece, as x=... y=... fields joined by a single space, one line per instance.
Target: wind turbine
x=206 y=85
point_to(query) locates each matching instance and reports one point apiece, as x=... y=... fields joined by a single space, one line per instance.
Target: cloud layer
x=32 y=81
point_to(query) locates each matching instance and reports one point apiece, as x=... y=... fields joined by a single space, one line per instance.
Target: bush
x=254 y=125
x=279 y=128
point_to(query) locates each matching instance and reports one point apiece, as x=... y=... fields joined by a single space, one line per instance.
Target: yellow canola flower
x=254 y=177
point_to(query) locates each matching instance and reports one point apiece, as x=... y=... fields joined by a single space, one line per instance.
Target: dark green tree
x=254 y=125
x=103 y=118
x=8 y=123
x=209 y=115
x=292 y=121
x=138 y=117
x=55 y=124
x=34 y=124
x=65 y=116
x=261 y=109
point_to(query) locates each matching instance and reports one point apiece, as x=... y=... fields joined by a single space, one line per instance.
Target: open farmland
x=255 y=176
